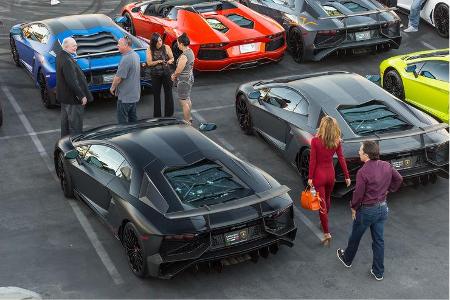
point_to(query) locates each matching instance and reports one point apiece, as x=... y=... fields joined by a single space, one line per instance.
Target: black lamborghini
x=286 y=112
x=173 y=197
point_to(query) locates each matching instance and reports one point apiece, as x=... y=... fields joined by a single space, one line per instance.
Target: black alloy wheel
x=295 y=44
x=392 y=82
x=128 y=25
x=64 y=178
x=134 y=250
x=45 y=96
x=303 y=165
x=441 y=19
x=14 y=52
x=243 y=115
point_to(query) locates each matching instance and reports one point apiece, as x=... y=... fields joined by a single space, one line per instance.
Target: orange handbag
x=310 y=201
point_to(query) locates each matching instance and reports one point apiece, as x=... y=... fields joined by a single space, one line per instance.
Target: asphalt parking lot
x=60 y=249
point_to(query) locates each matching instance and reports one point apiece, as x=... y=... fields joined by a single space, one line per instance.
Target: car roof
x=77 y=22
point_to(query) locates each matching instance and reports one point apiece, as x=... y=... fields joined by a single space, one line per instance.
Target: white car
x=434 y=12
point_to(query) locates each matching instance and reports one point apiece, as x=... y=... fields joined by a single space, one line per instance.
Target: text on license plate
x=247 y=48
x=235 y=237
x=363 y=35
x=404 y=163
x=108 y=78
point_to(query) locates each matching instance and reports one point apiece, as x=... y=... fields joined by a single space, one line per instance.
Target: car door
x=270 y=113
x=98 y=167
x=429 y=90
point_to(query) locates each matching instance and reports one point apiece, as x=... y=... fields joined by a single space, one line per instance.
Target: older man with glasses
x=72 y=89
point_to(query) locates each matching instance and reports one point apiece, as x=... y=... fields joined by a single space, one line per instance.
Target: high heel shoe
x=326 y=242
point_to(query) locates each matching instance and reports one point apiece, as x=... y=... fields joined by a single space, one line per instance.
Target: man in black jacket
x=71 y=89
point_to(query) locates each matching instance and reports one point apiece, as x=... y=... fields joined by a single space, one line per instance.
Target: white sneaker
x=411 y=29
x=54 y=2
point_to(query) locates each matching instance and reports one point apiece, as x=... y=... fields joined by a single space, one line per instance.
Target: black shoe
x=340 y=255
x=379 y=278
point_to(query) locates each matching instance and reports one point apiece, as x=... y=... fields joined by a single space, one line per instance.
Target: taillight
x=213 y=46
x=328 y=32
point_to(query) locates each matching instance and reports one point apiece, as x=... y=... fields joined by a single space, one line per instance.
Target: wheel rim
x=296 y=46
x=304 y=165
x=441 y=19
x=392 y=85
x=134 y=250
x=243 y=115
x=14 y=50
x=44 y=91
x=62 y=174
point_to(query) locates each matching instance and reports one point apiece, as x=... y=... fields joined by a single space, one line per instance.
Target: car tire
x=130 y=24
x=14 y=52
x=440 y=16
x=296 y=44
x=45 y=94
x=64 y=177
x=392 y=82
x=303 y=165
x=134 y=250
x=243 y=115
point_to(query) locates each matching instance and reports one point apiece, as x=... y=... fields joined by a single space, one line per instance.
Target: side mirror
x=412 y=69
x=72 y=154
x=16 y=31
x=207 y=127
x=375 y=79
x=120 y=20
x=126 y=172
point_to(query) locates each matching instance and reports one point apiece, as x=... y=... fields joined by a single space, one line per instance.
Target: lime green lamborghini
x=421 y=79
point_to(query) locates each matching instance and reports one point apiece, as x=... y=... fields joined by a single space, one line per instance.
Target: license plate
x=247 y=48
x=235 y=237
x=404 y=163
x=363 y=35
x=108 y=78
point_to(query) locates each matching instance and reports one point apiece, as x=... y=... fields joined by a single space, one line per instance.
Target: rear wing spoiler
x=230 y=205
x=395 y=135
x=364 y=13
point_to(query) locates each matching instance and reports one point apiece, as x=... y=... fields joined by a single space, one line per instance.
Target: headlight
x=438 y=154
x=280 y=219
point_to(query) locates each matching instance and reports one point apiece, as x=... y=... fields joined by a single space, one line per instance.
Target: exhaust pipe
x=264 y=252
x=273 y=248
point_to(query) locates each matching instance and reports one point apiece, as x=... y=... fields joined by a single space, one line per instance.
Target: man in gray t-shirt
x=126 y=84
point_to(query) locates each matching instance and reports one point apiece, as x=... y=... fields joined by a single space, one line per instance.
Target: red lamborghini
x=224 y=34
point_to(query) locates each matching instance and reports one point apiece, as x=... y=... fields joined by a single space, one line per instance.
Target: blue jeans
x=126 y=112
x=373 y=217
x=414 y=13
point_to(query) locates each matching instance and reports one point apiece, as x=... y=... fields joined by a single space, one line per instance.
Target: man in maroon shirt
x=374 y=181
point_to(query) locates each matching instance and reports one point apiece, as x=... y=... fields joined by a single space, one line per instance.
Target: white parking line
x=92 y=236
x=8 y=137
x=301 y=216
x=428 y=45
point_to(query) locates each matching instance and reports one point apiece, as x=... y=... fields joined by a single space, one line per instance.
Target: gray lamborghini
x=318 y=28
x=286 y=112
x=173 y=197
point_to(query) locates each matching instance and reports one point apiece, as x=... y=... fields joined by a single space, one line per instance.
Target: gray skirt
x=184 y=86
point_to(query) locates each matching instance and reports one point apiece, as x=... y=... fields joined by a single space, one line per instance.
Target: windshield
x=372 y=117
x=205 y=182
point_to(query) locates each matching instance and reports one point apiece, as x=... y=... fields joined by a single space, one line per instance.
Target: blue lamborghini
x=34 y=45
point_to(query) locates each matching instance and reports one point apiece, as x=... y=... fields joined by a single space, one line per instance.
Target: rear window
x=372 y=117
x=241 y=21
x=217 y=25
x=205 y=183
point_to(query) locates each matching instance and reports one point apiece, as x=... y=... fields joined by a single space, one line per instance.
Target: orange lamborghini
x=224 y=34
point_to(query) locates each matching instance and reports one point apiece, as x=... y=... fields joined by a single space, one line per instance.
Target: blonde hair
x=329 y=132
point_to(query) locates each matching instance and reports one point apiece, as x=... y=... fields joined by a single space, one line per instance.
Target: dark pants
x=126 y=112
x=373 y=217
x=71 y=119
x=166 y=82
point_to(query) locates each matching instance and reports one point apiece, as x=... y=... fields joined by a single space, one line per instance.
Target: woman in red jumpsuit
x=324 y=145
